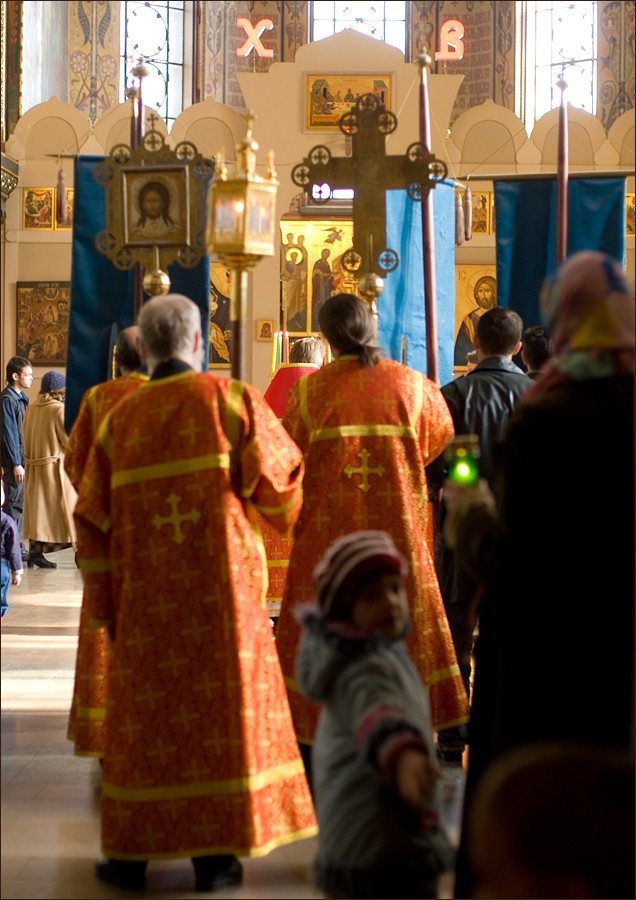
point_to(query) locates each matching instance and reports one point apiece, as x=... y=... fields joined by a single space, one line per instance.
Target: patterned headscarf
x=590 y=308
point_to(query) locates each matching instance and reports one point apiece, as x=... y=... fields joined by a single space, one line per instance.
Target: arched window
x=559 y=35
x=384 y=21
x=156 y=32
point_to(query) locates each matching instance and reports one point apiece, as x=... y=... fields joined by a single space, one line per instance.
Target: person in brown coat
x=49 y=496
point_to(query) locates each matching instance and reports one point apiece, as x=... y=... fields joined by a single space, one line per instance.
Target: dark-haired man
x=14 y=404
x=480 y=403
x=536 y=350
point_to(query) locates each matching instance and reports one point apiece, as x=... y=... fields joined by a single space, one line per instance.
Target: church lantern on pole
x=242 y=227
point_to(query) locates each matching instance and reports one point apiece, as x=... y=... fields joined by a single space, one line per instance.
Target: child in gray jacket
x=375 y=777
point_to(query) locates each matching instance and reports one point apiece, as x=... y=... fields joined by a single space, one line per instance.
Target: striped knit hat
x=351 y=560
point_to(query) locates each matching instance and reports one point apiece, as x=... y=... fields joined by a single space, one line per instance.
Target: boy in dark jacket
x=11 y=558
x=375 y=776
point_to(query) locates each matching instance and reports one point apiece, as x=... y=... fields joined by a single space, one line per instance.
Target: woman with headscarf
x=49 y=496
x=368 y=427
x=554 y=550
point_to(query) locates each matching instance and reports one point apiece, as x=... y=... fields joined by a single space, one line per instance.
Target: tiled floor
x=50 y=798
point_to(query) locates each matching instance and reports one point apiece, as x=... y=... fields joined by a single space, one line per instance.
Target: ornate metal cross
x=370 y=173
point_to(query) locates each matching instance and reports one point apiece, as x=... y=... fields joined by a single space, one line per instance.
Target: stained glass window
x=561 y=36
x=384 y=21
x=155 y=31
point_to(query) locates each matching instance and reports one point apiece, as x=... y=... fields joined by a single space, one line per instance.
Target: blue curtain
x=401 y=306
x=525 y=225
x=102 y=296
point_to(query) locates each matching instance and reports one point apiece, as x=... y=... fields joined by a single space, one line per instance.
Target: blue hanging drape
x=525 y=220
x=102 y=296
x=401 y=306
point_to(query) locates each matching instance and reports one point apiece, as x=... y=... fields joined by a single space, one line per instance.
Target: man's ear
x=517 y=349
x=523 y=357
x=141 y=347
x=476 y=341
x=198 y=338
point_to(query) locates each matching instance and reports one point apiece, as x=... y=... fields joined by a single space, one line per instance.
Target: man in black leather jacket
x=480 y=403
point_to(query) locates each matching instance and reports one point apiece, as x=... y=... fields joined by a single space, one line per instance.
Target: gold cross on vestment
x=120 y=814
x=339 y=494
x=186 y=575
x=136 y=439
x=161 y=751
x=151 y=836
x=195 y=630
x=207 y=686
x=162 y=608
x=172 y=663
x=192 y=430
x=185 y=718
x=172 y=806
x=175 y=518
x=150 y=696
x=143 y=495
x=129 y=729
x=195 y=774
x=139 y=641
x=206 y=828
x=364 y=470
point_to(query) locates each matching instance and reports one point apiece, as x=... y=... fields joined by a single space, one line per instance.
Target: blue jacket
x=14 y=405
x=11 y=544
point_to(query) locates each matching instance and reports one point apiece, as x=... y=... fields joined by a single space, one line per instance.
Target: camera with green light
x=462 y=459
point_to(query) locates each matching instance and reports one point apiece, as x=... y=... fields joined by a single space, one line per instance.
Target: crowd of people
x=219 y=738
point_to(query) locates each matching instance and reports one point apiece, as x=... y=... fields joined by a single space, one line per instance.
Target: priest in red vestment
x=200 y=758
x=306 y=356
x=367 y=428
x=88 y=709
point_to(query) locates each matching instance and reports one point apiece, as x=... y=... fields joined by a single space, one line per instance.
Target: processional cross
x=370 y=172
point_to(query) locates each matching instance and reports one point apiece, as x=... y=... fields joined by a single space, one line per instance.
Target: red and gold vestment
x=88 y=709
x=366 y=435
x=200 y=754
x=278 y=547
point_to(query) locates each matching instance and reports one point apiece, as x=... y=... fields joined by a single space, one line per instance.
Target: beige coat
x=49 y=496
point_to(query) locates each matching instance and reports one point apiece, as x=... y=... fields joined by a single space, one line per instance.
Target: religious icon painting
x=481 y=212
x=155 y=206
x=264 y=329
x=43 y=309
x=475 y=294
x=329 y=97
x=630 y=224
x=70 y=207
x=311 y=270
x=220 y=333
x=38 y=206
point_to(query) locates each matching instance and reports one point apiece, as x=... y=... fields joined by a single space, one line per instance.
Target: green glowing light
x=463 y=470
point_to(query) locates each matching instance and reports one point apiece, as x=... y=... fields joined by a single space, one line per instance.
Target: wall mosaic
x=488 y=63
x=93 y=56
x=615 y=60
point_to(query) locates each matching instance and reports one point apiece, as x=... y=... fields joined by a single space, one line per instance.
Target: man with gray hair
x=200 y=758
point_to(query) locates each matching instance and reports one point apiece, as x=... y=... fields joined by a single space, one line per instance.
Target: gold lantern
x=242 y=227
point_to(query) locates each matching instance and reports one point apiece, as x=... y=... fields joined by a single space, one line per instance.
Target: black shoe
x=216 y=872
x=123 y=873
x=24 y=553
x=38 y=559
x=449 y=756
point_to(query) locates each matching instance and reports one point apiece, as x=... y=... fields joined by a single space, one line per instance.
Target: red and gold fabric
x=200 y=754
x=366 y=435
x=88 y=708
x=278 y=547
